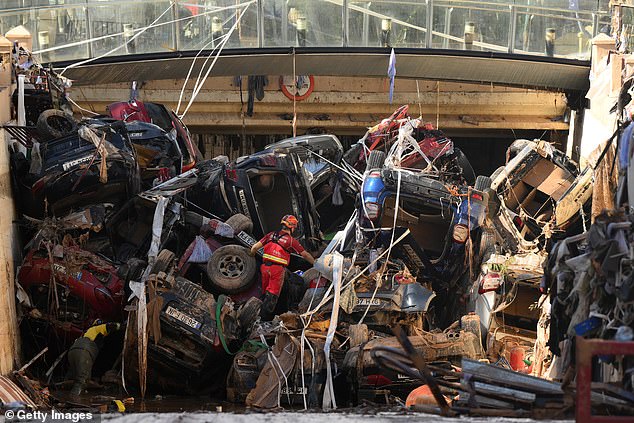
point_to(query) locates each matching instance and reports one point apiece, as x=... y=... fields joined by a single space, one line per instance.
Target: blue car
x=445 y=222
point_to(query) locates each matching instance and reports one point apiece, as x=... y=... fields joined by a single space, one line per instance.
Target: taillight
x=40 y=184
x=490 y=282
x=518 y=222
x=375 y=174
x=231 y=174
x=378 y=380
x=460 y=233
x=372 y=210
x=476 y=196
x=320 y=282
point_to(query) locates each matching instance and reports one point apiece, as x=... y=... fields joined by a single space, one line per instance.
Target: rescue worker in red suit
x=278 y=246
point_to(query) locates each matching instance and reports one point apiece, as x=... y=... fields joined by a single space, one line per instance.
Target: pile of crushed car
x=126 y=223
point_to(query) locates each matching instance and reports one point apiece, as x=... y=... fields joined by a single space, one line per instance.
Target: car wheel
x=231 y=269
x=164 y=262
x=249 y=312
x=54 y=123
x=239 y=223
x=376 y=159
x=482 y=183
x=486 y=247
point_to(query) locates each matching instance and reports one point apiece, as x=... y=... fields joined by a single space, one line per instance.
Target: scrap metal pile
x=127 y=224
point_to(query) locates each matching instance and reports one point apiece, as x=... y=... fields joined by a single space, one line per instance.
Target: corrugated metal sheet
x=10 y=392
x=514 y=70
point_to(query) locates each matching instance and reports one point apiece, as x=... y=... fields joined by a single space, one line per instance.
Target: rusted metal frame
x=585 y=350
x=421 y=366
x=25 y=135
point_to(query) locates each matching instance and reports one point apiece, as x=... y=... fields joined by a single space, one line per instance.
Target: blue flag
x=391 y=73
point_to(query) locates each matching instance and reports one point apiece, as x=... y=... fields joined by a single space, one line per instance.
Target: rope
x=198 y=87
x=191 y=68
x=294 y=96
x=116 y=34
x=134 y=37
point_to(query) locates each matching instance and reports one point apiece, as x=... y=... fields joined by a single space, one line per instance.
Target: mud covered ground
x=350 y=416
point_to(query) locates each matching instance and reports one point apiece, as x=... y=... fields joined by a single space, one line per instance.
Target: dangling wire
x=437 y=104
x=134 y=37
x=294 y=96
x=420 y=107
x=221 y=46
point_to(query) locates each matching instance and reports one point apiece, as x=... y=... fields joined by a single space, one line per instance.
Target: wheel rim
x=231 y=266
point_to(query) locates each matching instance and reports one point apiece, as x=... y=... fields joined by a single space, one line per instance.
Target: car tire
x=486 y=247
x=164 y=262
x=482 y=183
x=239 y=223
x=376 y=159
x=231 y=269
x=249 y=313
x=53 y=123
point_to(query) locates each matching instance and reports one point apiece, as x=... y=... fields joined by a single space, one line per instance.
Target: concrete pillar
x=302 y=29
x=9 y=250
x=5 y=61
x=469 y=35
x=386 y=32
x=550 y=36
x=22 y=36
x=601 y=46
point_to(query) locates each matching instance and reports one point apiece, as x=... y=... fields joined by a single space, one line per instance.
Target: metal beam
x=445 y=65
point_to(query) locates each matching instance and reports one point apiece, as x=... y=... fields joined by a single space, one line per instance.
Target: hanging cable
x=294 y=97
x=191 y=68
x=116 y=34
x=134 y=37
x=199 y=85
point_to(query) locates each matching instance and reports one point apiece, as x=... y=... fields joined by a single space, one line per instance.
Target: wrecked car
x=431 y=143
x=96 y=164
x=538 y=196
x=158 y=155
x=507 y=295
x=165 y=119
x=444 y=215
x=68 y=288
x=369 y=380
x=539 y=193
x=267 y=185
x=191 y=334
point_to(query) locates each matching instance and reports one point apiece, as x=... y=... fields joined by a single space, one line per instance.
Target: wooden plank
x=483 y=401
x=510 y=394
x=504 y=377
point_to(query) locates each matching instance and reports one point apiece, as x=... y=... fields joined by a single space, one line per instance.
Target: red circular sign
x=299 y=88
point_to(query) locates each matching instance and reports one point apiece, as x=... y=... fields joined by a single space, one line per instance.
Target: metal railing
x=81 y=29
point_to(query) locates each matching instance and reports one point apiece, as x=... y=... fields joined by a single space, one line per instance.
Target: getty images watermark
x=49 y=416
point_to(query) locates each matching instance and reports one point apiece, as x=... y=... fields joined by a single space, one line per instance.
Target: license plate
x=76 y=162
x=368 y=302
x=189 y=321
x=246 y=239
x=295 y=390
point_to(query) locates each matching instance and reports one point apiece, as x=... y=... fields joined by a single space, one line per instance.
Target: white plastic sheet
x=329 y=401
x=201 y=252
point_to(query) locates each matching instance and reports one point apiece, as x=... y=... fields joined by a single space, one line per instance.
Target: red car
x=86 y=288
x=164 y=118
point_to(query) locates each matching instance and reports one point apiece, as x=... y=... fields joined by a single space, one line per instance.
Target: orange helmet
x=290 y=221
